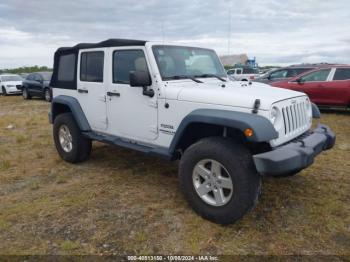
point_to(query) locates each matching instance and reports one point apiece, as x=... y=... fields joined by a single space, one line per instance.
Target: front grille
x=295 y=117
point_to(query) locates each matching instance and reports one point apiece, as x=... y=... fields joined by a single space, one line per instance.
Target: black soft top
x=106 y=43
x=69 y=66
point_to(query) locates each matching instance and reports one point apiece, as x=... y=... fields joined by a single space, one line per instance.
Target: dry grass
x=122 y=202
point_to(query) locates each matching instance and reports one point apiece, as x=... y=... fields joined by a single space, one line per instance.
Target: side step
x=117 y=141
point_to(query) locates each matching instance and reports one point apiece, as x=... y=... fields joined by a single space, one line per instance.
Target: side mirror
x=300 y=81
x=141 y=79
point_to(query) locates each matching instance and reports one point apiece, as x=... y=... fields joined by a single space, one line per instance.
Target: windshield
x=46 y=76
x=11 y=78
x=175 y=61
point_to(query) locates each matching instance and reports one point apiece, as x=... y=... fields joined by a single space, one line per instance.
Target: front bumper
x=296 y=155
x=13 y=90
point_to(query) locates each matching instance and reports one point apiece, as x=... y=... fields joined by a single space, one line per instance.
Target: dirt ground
x=122 y=202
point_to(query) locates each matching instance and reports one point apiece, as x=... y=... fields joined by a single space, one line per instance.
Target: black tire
x=4 y=93
x=81 y=146
x=25 y=94
x=238 y=161
x=47 y=95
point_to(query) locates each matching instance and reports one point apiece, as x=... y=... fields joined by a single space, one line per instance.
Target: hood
x=238 y=94
x=11 y=83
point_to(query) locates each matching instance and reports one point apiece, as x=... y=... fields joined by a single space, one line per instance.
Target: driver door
x=131 y=114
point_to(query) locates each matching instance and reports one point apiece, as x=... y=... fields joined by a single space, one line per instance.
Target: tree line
x=25 y=69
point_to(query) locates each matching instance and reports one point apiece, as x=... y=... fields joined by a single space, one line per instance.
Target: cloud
x=276 y=32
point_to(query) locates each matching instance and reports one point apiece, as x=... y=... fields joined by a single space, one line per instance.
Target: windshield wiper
x=185 y=77
x=212 y=75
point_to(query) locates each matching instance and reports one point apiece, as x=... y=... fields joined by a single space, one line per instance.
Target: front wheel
x=71 y=145
x=4 y=93
x=219 y=179
x=25 y=94
x=47 y=95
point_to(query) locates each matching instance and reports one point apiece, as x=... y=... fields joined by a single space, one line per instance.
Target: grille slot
x=294 y=117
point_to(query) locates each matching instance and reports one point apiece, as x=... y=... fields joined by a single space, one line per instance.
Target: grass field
x=122 y=202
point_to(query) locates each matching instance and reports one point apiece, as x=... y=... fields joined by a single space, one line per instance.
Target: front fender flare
x=262 y=127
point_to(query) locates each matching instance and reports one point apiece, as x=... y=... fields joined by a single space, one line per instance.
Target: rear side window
x=317 y=76
x=66 y=68
x=91 y=66
x=125 y=61
x=342 y=74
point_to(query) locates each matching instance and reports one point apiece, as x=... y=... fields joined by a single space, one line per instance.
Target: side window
x=30 y=77
x=37 y=78
x=66 y=68
x=278 y=74
x=238 y=71
x=125 y=61
x=91 y=66
x=320 y=75
x=342 y=74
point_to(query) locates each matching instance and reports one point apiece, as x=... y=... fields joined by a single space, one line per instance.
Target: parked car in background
x=243 y=74
x=285 y=73
x=23 y=75
x=37 y=84
x=327 y=86
x=10 y=84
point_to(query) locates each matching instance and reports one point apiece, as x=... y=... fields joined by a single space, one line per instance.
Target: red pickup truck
x=327 y=86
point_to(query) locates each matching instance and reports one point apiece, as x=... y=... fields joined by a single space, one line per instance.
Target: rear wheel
x=71 y=145
x=219 y=179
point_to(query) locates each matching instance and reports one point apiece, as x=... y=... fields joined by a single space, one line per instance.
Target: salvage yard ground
x=123 y=202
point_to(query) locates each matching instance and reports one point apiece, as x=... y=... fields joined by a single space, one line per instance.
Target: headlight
x=274 y=114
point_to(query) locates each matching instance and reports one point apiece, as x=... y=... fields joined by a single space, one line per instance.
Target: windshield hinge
x=256 y=106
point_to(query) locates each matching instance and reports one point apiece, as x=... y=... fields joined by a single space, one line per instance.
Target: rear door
x=91 y=82
x=313 y=85
x=337 y=90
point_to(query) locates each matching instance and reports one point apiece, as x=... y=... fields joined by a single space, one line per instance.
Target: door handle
x=83 y=91
x=113 y=94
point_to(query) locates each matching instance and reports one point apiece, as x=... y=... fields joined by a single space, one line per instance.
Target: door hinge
x=103 y=98
x=153 y=103
x=153 y=129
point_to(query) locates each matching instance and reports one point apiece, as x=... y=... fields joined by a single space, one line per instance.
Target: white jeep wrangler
x=175 y=101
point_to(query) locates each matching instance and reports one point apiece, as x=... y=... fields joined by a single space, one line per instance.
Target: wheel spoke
x=202 y=171
x=215 y=168
x=226 y=183
x=219 y=196
x=203 y=189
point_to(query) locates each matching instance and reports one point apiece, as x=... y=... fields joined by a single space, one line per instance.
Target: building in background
x=231 y=60
x=238 y=61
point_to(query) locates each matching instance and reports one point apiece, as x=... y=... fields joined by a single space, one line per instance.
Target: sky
x=275 y=32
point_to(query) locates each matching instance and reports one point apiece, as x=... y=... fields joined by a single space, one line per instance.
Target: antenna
x=162 y=28
x=229 y=30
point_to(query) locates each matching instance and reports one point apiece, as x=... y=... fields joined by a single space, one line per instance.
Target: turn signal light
x=248 y=132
